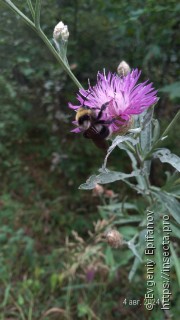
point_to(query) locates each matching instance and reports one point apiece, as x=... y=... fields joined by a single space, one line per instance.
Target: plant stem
x=31 y=8
x=130 y=147
x=171 y=124
x=36 y=27
x=30 y=313
x=58 y=57
x=37 y=13
x=11 y=6
x=144 y=178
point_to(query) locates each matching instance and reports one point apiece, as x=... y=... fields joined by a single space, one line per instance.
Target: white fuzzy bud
x=61 y=31
x=65 y=33
x=123 y=69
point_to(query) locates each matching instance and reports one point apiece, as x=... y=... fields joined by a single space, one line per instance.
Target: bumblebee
x=93 y=126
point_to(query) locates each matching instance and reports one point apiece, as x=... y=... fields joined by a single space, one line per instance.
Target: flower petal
x=76 y=130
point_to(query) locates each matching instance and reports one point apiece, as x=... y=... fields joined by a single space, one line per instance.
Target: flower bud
x=98 y=190
x=123 y=69
x=61 y=31
x=110 y=193
x=114 y=238
x=65 y=33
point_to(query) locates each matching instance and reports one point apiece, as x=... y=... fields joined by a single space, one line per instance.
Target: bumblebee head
x=84 y=118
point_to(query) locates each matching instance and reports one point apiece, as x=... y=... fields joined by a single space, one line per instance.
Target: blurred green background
x=44 y=268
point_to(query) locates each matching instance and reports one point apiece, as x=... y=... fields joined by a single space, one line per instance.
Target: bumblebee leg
x=106 y=122
x=85 y=100
x=103 y=107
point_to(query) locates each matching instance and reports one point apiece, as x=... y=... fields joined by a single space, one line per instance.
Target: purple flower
x=126 y=98
x=90 y=274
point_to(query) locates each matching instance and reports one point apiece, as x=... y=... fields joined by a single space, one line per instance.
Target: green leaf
x=137 y=261
x=6 y=296
x=172 y=184
x=175 y=231
x=128 y=231
x=156 y=130
x=146 y=138
x=109 y=258
x=83 y=309
x=133 y=248
x=158 y=266
x=169 y=203
x=90 y=183
x=126 y=255
x=146 y=132
x=164 y=135
x=119 y=141
x=134 y=268
x=54 y=280
x=107 y=177
x=165 y=155
x=176 y=262
x=120 y=206
x=20 y=300
x=128 y=220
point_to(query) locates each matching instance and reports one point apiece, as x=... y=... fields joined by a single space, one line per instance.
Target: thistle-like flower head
x=124 y=96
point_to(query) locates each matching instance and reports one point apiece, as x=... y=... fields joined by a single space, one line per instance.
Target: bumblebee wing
x=101 y=144
x=93 y=134
x=90 y=133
